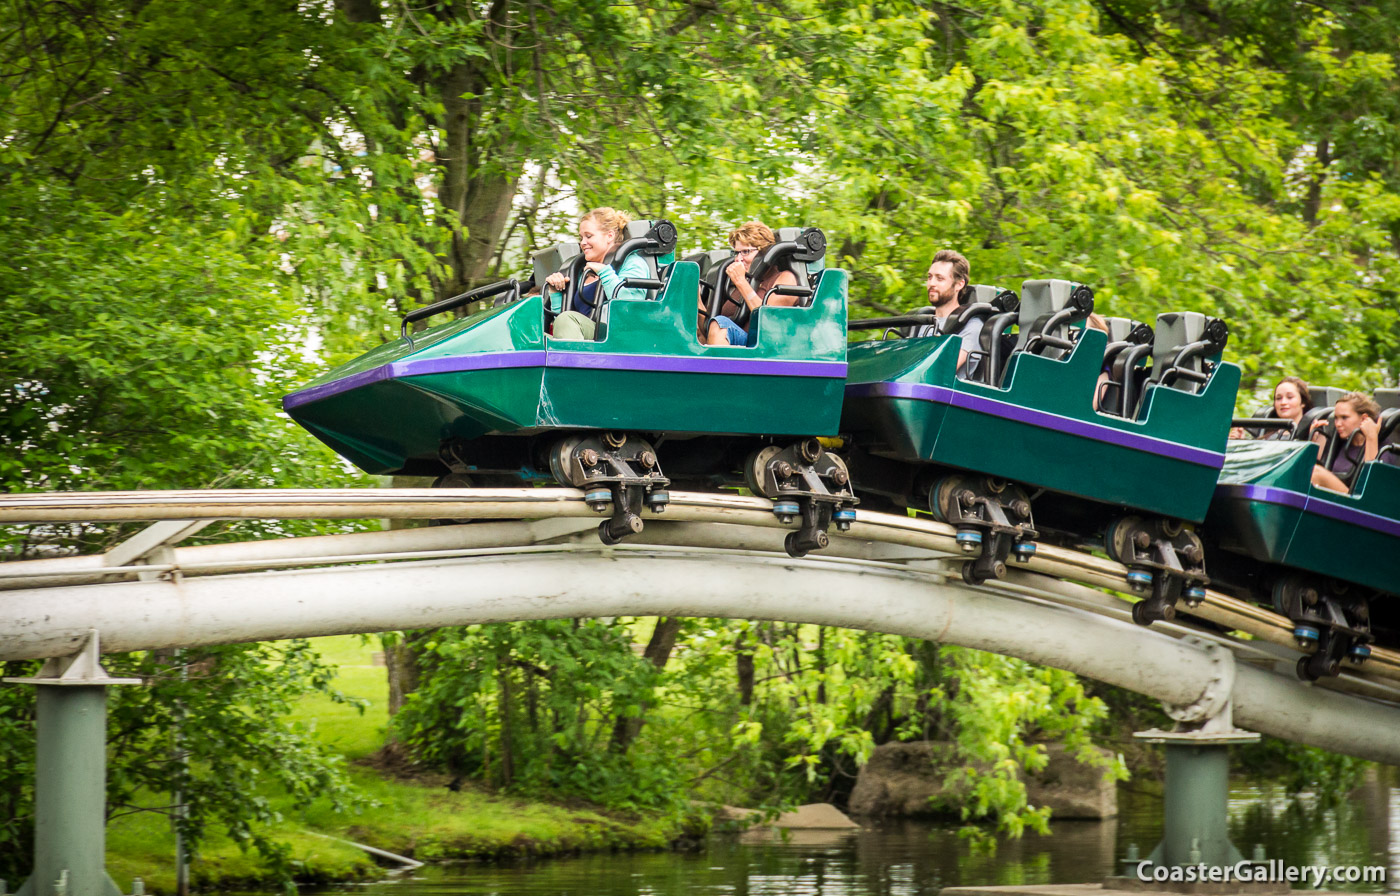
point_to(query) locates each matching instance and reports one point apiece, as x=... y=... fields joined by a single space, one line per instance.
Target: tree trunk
x=478 y=181
x=657 y=652
x=401 y=658
x=401 y=653
x=504 y=709
x=743 y=668
x=1313 y=203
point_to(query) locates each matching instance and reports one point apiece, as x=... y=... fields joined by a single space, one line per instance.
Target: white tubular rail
x=568 y=581
x=882 y=533
x=533 y=555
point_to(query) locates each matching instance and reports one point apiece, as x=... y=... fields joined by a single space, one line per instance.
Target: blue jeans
x=736 y=333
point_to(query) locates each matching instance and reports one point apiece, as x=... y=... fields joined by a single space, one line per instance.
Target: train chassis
x=622 y=471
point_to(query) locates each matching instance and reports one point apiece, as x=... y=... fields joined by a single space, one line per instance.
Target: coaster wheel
x=754 y=468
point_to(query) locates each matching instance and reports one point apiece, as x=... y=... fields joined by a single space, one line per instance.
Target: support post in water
x=1196 y=797
x=70 y=780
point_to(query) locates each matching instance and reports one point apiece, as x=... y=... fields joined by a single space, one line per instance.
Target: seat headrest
x=1040 y=297
x=979 y=293
x=555 y=258
x=1388 y=398
x=1326 y=396
x=795 y=234
x=1123 y=329
x=1049 y=308
x=1175 y=331
x=1389 y=435
x=655 y=242
x=707 y=260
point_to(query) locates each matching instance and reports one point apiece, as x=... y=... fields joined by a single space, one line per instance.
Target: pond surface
x=914 y=859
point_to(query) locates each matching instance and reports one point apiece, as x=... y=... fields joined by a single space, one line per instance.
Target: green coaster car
x=1321 y=556
x=495 y=398
x=973 y=448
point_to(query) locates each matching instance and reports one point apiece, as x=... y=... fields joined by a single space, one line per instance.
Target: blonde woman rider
x=599 y=232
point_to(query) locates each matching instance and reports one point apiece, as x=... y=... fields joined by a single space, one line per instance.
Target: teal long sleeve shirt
x=608 y=279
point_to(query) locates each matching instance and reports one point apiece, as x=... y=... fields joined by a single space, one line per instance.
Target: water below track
x=908 y=858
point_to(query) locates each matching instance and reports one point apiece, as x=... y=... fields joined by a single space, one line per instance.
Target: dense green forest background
x=201 y=204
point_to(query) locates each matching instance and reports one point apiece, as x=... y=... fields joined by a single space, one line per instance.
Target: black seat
x=1186 y=347
x=978 y=302
x=557 y=258
x=1268 y=413
x=798 y=251
x=990 y=305
x=655 y=243
x=712 y=264
x=708 y=259
x=1129 y=344
x=1325 y=400
x=1048 y=310
x=1388 y=438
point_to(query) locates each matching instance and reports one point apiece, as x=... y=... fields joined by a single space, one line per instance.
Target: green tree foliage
x=202 y=203
x=151 y=311
x=206 y=724
x=151 y=319
x=533 y=706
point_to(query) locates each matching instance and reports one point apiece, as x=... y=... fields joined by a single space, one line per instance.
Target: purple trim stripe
x=694 y=364
x=1056 y=422
x=567 y=360
x=1311 y=504
x=396 y=369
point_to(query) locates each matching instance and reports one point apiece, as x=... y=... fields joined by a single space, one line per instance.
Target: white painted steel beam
x=513 y=517
x=166 y=533
x=561 y=582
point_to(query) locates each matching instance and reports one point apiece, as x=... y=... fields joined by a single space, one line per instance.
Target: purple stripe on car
x=692 y=364
x=396 y=369
x=1045 y=420
x=316 y=393
x=1312 y=504
x=575 y=360
x=463 y=363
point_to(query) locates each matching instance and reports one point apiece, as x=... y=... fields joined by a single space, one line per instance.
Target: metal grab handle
x=1261 y=423
x=877 y=323
x=1176 y=371
x=466 y=298
x=799 y=291
x=635 y=283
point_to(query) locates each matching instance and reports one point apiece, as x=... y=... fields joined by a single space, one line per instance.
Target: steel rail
x=566 y=580
x=739 y=515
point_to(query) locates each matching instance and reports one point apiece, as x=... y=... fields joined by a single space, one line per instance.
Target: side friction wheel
x=452 y=480
x=559 y=457
x=1115 y=540
x=970 y=575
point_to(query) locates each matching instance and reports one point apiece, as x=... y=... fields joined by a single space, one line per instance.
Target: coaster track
x=532 y=554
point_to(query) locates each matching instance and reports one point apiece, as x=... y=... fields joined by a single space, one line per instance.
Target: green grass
x=432 y=822
x=143 y=846
x=423 y=818
x=339 y=726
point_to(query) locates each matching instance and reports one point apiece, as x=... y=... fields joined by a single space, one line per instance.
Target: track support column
x=70 y=787
x=1195 y=803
